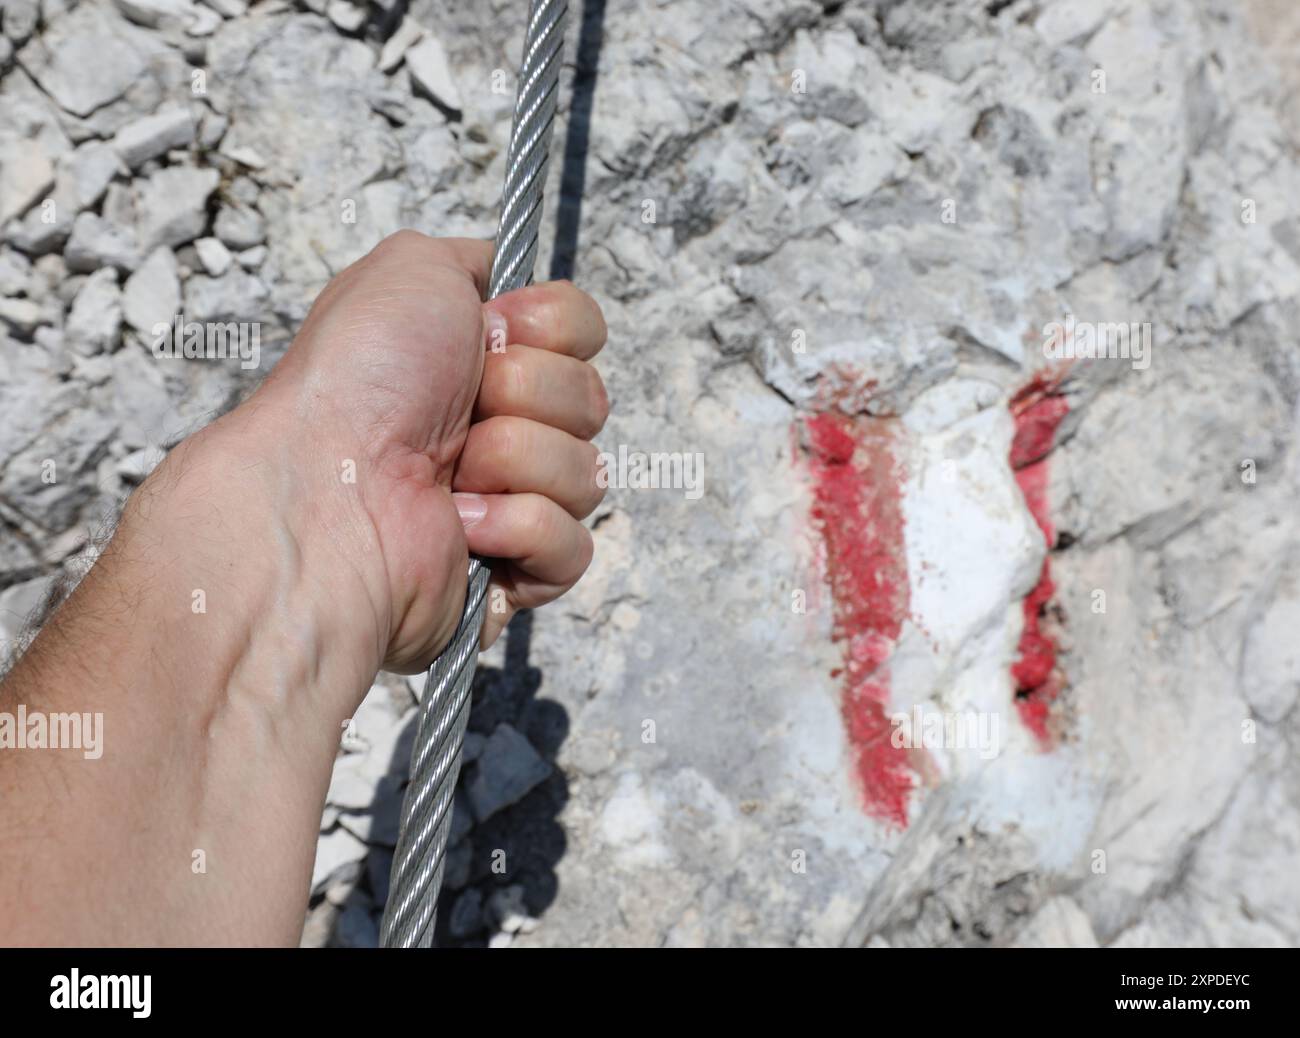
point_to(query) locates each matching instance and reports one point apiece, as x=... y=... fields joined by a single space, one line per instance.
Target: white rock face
x=869 y=210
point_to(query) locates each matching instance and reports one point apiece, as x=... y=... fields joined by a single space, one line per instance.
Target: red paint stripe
x=1038 y=409
x=857 y=508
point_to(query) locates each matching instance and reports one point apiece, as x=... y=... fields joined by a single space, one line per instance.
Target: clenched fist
x=385 y=372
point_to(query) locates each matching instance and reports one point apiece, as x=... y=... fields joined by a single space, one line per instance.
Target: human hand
x=379 y=387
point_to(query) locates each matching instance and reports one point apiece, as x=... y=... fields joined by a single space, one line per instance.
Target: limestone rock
x=152 y=294
x=173 y=205
x=154 y=135
x=95 y=321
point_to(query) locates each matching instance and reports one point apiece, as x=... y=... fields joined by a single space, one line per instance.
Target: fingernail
x=497 y=331
x=472 y=508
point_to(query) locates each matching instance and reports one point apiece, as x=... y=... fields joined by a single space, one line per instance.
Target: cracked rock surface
x=869 y=211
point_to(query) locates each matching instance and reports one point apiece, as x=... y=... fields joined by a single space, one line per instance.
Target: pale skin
x=221 y=726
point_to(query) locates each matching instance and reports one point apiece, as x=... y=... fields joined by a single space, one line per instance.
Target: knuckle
x=548 y=306
x=594 y=493
x=586 y=551
x=515 y=379
x=537 y=523
x=602 y=335
x=507 y=376
x=499 y=439
x=405 y=242
x=548 y=316
x=599 y=400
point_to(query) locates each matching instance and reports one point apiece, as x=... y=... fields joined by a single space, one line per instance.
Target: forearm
x=224 y=637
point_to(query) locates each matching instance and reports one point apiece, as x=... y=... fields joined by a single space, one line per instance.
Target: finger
x=553 y=315
x=536 y=535
x=507 y=455
x=562 y=392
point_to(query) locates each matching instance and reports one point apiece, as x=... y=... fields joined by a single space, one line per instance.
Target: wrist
x=261 y=556
x=223 y=636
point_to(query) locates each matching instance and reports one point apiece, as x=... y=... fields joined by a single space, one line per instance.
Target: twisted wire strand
x=418 y=862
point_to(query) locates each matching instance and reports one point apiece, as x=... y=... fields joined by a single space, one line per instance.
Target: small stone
x=66 y=545
x=349 y=790
x=396 y=46
x=228 y=8
x=346 y=16
x=214 y=256
x=173 y=205
x=240 y=228
x=95 y=321
x=89 y=171
x=251 y=259
x=466 y=918
x=204 y=23
x=473 y=747
x=154 y=13
x=153 y=293
x=119 y=205
x=141 y=404
x=154 y=135
x=386 y=814
x=336 y=851
x=211 y=129
x=319 y=925
x=20 y=19
x=21 y=316
x=66 y=290
x=26 y=175
x=356 y=927
x=85 y=60
x=459 y=860
x=96 y=243
x=509 y=911
x=244 y=191
x=462 y=818
x=19 y=605
x=431 y=73
x=51 y=341
x=392 y=105
x=15 y=272
x=34 y=236
x=505 y=772
x=48 y=273
x=94 y=371
x=338 y=892
x=245 y=156
x=379 y=869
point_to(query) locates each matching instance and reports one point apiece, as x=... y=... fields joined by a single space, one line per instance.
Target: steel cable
x=416 y=877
